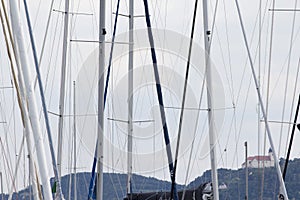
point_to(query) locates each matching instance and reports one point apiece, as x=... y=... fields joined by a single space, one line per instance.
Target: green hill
x=115 y=184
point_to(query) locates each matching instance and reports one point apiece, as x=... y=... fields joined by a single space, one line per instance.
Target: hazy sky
x=235 y=94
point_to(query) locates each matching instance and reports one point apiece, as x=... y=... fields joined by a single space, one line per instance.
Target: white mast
x=62 y=88
x=210 y=102
x=130 y=98
x=2 y=195
x=102 y=32
x=32 y=106
x=75 y=156
x=21 y=101
x=283 y=191
x=27 y=131
x=33 y=182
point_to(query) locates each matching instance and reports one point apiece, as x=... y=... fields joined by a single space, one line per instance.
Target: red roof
x=259 y=158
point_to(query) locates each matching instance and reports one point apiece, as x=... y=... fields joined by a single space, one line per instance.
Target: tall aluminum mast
x=62 y=88
x=32 y=105
x=210 y=102
x=160 y=97
x=21 y=101
x=246 y=170
x=75 y=156
x=100 y=126
x=130 y=98
x=283 y=192
x=2 y=194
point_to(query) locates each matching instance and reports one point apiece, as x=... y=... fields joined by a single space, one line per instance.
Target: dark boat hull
x=203 y=192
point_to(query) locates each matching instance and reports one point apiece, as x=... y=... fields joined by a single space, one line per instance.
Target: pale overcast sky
x=173 y=19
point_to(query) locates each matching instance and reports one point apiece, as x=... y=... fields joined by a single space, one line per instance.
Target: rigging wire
x=193 y=140
x=242 y=80
x=237 y=137
x=54 y=164
x=264 y=133
x=14 y=178
x=239 y=92
x=92 y=182
x=203 y=130
x=57 y=35
x=287 y=79
x=277 y=82
x=3 y=27
x=268 y=86
x=183 y=97
x=45 y=37
x=14 y=76
x=294 y=92
x=159 y=95
x=293 y=128
x=262 y=106
x=171 y=76
x=197 y=116
x=234 y=116
x=156 y=12
x=259 y=85
x=8 y=166
x=246 y=61
x=72 y=129
x=156 y=21
x=293 y=101
x=22 y=109
x=234 y=102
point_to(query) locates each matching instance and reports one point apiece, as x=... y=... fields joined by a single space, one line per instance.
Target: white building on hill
x=260 y=161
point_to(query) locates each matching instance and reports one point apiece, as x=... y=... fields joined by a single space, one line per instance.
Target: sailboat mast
x=102 y=32
x=160 y=98
x=210 y=102
x=2 y=195
x=32 y=105
x=283 y=191
x=291 y=140
x=246 y=170
x=130 y=98
x=41 y=89
x=21 y=102
x=74 y=124
x=62 y=88
x=92 y=181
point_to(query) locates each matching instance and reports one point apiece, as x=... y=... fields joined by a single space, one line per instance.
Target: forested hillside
x=234 y=180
